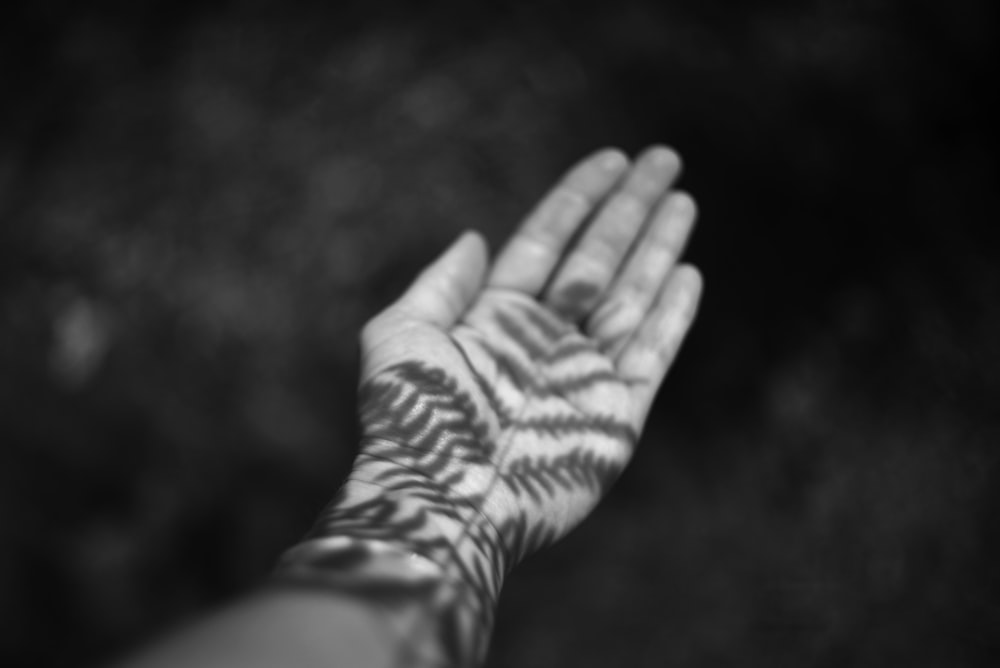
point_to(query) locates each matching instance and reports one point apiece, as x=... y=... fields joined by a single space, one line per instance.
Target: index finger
x=532 y=254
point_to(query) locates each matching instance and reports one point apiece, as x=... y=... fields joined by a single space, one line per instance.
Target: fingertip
x=474 y=243
x=444 y=290
x=691 y=276
x=684 y=204
x=466 y=256
x=663 y=156
x=611 y=158
x=465 y=262
x=691 y=284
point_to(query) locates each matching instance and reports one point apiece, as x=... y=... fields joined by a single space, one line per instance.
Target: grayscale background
x=201 y=204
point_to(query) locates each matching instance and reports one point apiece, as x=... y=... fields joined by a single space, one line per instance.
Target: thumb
x=445 y=289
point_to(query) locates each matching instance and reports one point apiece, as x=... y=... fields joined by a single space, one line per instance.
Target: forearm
x=278 y=626
x=386 y=578
x=498 y=405
x=424 y=556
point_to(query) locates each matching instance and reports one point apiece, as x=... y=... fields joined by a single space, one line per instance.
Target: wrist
x=393 y=536
x=438 y=513
x=407 y=594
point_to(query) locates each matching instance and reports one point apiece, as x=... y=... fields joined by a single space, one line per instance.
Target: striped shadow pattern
x=477 y=466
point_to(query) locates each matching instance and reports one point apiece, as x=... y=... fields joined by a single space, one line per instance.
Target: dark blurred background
x=201 y=203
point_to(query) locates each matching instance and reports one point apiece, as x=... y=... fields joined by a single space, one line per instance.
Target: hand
x=499 y=404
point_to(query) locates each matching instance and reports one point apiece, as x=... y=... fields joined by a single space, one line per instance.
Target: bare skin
x=498 y=402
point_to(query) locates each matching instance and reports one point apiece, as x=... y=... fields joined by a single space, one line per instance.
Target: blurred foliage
x=203 y=203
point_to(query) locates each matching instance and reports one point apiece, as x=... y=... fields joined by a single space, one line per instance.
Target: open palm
x=519 y=391
x=499 y=403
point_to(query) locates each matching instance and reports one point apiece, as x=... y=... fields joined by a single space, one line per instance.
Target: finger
x=647 y=356
x=445 y=289
x=527 y=261
x=597 y=257
x=631 y=295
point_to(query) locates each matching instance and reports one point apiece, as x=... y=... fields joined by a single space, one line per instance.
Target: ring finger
x=592 y=265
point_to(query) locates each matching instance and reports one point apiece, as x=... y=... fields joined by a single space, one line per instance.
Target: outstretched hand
x=498 y=404
x=523 y=387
